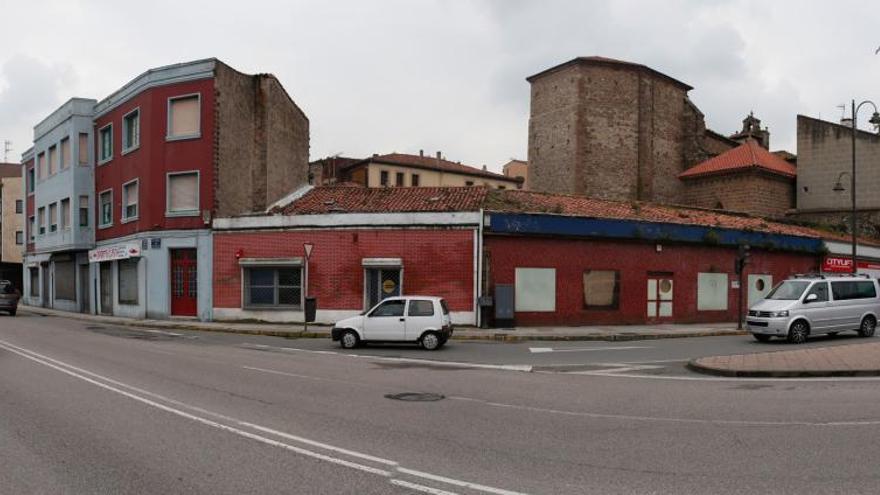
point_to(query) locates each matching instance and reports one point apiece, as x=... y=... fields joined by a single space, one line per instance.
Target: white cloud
x=402 y=75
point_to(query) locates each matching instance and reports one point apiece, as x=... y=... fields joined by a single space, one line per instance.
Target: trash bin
x=311 y=308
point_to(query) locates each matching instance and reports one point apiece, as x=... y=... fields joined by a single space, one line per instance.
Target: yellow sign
x=388 y=286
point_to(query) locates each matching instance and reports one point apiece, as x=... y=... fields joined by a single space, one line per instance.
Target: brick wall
x=613 y=132
x=435 y=262
x=749 y=192
x=634 y=260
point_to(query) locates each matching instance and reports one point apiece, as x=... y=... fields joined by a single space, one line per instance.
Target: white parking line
x=104 y=383
x=540 y=350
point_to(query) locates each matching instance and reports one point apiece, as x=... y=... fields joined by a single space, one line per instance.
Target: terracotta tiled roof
x=431 y=163
x=347 y=199
x=10 y=170
x=747 y=156
x=532 y=202
x=342 y=199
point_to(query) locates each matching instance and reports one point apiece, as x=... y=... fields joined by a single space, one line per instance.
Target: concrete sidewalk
x=296 y=330
x=841 y=360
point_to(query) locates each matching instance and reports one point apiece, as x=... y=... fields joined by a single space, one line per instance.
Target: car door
x=818 y=310
x=420 y=316
x=386 y=321
x=845 y=306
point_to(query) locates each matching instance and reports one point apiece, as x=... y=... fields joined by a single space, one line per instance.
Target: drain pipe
x=479 y=278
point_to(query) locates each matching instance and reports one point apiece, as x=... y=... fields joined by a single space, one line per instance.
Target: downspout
x=478 y=248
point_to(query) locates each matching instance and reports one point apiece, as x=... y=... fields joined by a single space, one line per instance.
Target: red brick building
x=552 y=259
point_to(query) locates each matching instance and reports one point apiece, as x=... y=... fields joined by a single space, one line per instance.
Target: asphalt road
x=88 y=408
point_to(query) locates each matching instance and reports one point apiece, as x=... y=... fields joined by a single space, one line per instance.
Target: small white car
x=419 y=319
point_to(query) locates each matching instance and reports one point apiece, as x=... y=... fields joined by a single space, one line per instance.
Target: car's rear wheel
x=761 y=337
x=431 y=341
x=798 y=332
x=349 y=339
x=866 y=329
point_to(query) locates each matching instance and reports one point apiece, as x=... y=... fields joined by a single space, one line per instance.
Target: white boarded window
x=711 y=292
x=65 y=153
x=65 y=213
x=535 y=289
x=83 y=148
x=183 y=193
x=183 y=117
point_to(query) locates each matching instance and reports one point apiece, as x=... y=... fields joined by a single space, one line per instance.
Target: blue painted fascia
x=536 y=224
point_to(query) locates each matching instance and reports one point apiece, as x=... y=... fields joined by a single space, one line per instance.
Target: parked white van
x=816 y=304
x=423 y=320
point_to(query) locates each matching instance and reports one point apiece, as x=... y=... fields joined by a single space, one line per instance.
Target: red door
x=184 y=282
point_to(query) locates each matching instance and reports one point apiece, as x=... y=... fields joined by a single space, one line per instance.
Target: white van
x=419 y=319
x=816 y=304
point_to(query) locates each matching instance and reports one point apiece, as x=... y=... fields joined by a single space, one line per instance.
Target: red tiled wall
x=435 y=262
x=634 y=260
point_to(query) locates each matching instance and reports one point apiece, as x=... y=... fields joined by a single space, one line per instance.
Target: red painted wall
x=155 y=158
x=634 y=261
x=435 y=262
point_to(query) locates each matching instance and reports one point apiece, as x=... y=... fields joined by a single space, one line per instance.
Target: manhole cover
x=416 y=397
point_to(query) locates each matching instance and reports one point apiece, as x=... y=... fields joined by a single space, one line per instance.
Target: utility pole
x=739 y=265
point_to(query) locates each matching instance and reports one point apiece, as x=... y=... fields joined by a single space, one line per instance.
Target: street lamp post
x=875 y=119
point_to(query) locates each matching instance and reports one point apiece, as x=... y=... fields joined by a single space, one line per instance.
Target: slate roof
x=747 y=156
x=431 y=163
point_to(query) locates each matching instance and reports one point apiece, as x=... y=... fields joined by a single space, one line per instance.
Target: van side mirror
x=811 y=298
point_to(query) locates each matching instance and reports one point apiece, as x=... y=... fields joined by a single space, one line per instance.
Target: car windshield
x=7 y=288
x=789 y=290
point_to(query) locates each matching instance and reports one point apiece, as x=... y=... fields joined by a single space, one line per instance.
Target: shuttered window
x=83 y=148
x=128 y=281
x=183 y=193
x=65 y=213
x=130 y=200
x=53 y=217
x=83 y=211
x=183 y=117
x=65 y=153
x=53 y=160
x=65 y=280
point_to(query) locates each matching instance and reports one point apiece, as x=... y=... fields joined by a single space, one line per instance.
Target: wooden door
x=184 y=282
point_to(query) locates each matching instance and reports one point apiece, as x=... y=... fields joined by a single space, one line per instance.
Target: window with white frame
x=83 y=211
x=131 y=130
x=105 y=143
x=65 y=153
x=130 y=201
x=83 y=151
x=19 y=237
x=279 y=287
x=184 y=117
x=53 y=159
x=65 y=213
x=183 y=194
x=128 y=281
x=53 y=217
x=105 y=200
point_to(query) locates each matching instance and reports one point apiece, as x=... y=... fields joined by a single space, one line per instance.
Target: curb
x=695 y=365
x=488 y=337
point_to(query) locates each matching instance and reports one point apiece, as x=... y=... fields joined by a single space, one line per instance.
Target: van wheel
x=760 y=337
x=349 y=339
x=798 y=332
x=430 y=341
x=866 y=329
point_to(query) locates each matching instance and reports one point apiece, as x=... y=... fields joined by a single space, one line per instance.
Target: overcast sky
x=381 y=76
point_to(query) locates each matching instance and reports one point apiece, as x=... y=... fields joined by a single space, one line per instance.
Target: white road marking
x=658 y=419
x=84 y=375
x=451 y=364
x=420 y=488
x=162 y=332
x=540 y=350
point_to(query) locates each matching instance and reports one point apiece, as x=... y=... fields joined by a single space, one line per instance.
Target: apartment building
x=404 y=170
x=58 y=176
x=11 y=229
x=167 y=152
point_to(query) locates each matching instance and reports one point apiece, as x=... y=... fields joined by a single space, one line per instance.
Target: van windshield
x=788 y=290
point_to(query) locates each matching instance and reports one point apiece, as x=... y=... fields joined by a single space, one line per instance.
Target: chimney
x=438 y=155
x=485 y=169
x=375 y=155
x=422 y=153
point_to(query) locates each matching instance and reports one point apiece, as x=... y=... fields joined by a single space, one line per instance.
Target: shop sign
x=116 y=252
x=839 y=264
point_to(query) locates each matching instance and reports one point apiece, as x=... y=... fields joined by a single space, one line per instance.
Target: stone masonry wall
x=753 y=192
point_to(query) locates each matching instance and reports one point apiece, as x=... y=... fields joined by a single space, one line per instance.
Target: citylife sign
x=837 y=264
x=117 y=252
